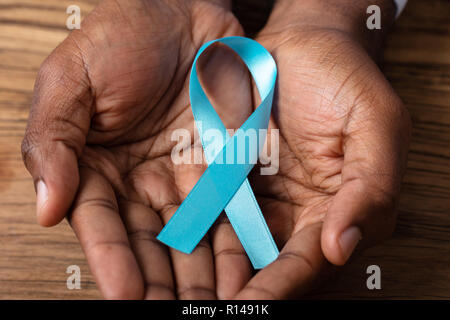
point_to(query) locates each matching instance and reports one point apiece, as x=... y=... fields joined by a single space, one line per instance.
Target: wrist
x=347 y=16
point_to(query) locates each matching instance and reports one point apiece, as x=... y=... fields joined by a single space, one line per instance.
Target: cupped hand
x=98 y=144
x=343 y=144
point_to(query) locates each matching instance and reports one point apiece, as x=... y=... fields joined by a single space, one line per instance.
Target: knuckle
x=193 y=292
x=99 y=203
x=300 y=258
x=229 y=252
x=204 y=243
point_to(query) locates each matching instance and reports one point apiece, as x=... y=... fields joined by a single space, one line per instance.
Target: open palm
x=343 y=145
x=107 y=101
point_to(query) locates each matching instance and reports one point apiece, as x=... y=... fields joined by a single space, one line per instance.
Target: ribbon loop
x=224 y=185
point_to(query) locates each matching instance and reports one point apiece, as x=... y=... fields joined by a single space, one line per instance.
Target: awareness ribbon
x=224 y=185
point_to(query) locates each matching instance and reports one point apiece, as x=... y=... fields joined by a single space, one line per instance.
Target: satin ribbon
x=224 y=185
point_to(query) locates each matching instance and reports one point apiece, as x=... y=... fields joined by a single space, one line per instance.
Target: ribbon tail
x=248 y=222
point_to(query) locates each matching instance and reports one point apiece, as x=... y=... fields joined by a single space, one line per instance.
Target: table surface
x=415 y=263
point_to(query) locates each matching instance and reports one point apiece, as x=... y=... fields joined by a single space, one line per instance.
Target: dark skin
x=98 y=146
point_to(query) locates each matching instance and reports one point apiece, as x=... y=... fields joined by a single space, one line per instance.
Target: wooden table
x=415 y=263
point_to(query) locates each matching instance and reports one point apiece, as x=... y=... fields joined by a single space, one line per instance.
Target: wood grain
x=415 y=263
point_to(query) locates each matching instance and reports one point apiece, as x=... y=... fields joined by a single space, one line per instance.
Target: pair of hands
x=98 y=146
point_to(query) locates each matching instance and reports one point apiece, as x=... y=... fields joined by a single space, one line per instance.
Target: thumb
x=362 y=213
x=56 y=131
x=356 y=217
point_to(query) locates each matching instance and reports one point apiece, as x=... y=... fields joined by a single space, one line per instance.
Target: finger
x=143 y=225
x=293 y=272
x=194 y=272
x=99 y=228
x=375 y=150
x=232 y=266
x=57 y=127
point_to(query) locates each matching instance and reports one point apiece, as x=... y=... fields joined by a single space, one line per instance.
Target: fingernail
x=41 y=195
x=348 y=241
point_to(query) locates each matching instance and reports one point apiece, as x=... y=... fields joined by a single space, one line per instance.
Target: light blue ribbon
x=224 y=185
